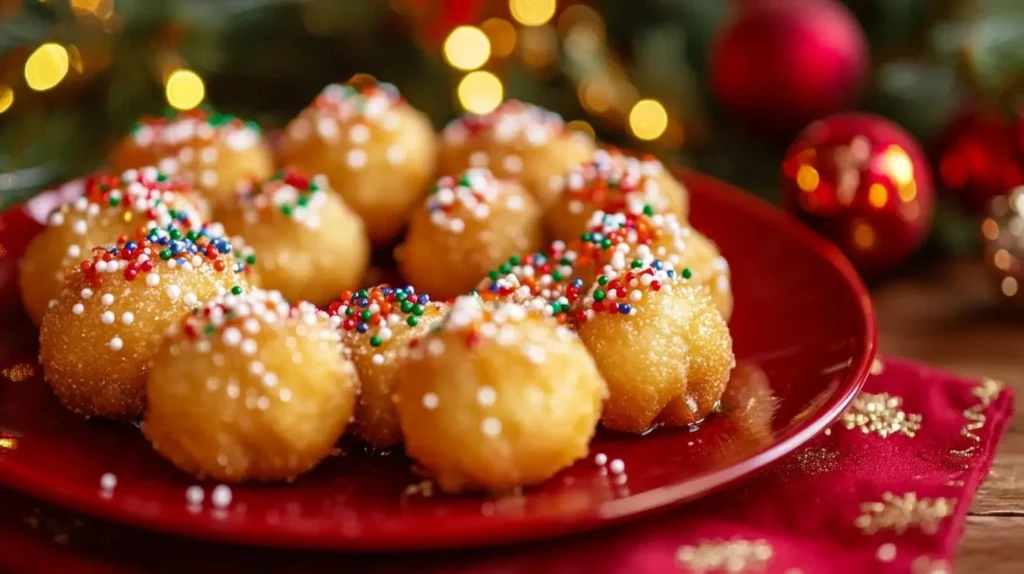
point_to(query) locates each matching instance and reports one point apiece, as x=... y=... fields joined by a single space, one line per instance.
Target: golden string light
x=185 y=89
x=46 y=67
x=532 y=12
x=467 y=48
x=502 y=35
x=480 y=92
x=582 y=127
x=6 y=97
x=648 y=119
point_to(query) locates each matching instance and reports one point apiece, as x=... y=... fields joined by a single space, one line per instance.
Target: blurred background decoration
x=722 y=86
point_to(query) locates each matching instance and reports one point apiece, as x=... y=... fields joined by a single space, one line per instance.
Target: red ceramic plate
x=804 y=336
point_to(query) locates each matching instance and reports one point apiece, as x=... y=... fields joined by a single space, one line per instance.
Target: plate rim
x=608 y=513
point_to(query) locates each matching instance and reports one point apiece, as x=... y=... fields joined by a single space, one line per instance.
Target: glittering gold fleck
x=927 y=565
x=898 y=513
x=424 y=489
x=18 y=373
x=880 y=414
x=735 y=555
x=877 y=367
x=987 y=390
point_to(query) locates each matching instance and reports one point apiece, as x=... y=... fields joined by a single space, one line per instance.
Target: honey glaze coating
x=97 y=341
x=377 y=150
x=518 y=141
x=311 y=244
x=467 y=226
x=378 y=325
x=111 y=206
x=498 y=397
x=214 y=152
x=661 y=345
x=250 y=388
x=612 y=183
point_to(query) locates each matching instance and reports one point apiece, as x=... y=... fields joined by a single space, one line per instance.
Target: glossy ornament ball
x=129 y=204
x=249 y=387
x=500 y=397
x=214 y=152
x=1002 y=233
x=517 y=141
x=467 y=226
x=377 y=151
x=863 y=182
x=98 y=339
x=779 y=64
x=660 y=343
x=982 y=157
x=311 y=244
x=378 y=325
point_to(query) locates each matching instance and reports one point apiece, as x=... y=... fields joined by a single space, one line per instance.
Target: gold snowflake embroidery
x=987 y=390
x=927 y=565
x=718 y=555
x=880 y=414
x=877 y=368
x=898 y=513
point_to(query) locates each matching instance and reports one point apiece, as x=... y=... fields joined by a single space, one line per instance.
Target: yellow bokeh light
x=8 y=443
x=502 y=35
x=648 y=119
x=1009 y=286
x=990 y=229
x=878 y=196
x=185 y=89
x=899 y=165
x=807 y=178
x=582 y=127
x=1002 y=259
x=46 y=67
x=863 y=235
x=532 y=12
x=467 y=48
x=6 y=97
x=480 y=92
x=907 y=191
x=102 y=9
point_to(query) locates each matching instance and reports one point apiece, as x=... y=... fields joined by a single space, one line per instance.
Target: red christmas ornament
x=863 y=182
x=779 y=64
x=982 y=157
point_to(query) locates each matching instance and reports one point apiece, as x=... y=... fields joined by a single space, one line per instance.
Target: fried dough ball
x=611 y=184
x=377 y=150
x=378 y=324
x=661 y=345
x=311 y=244
x=517 y=141
x=466 y=227
x=111 y=206
x=250 y=388
x=499 y=397
x=97 y=341
x=549 y=281
x=214 y=152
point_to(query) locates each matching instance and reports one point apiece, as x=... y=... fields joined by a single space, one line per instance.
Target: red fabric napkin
x=886 y=489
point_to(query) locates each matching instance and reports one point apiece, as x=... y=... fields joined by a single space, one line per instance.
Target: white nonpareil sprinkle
x=430 y=401
x=221 y=496
x=248 y=347
x=601 y=459
x=80 y=227
x=491 y=426
x=191 y=299
x=108 y=481
x=153 y=279
x=378 y=359
x=486 y=396
x=86 y=293
x=116 y=344
x=356 y=158
x=78 y=309
x=127 y=318
x=107 y=299
x=617 y=466
x=173 y=291
x=107 y=318
x=194 y=495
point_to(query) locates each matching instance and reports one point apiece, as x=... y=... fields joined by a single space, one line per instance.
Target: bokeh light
x=648 y=119
x=185 y=89
x=807 y=178
x=538 y=46
x=6 y=97
x=46 y=67
x=502 y=35
x=467 y=48
x=532 y=12
x=480 y=92
x=582 y=127
x=878 y=196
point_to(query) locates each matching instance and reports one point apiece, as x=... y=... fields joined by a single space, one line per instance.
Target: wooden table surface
x=949 y=316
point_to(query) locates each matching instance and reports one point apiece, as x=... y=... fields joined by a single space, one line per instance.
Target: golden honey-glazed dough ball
x=612 y=184
x=214 y=152
x=675 y=196
x=690 y=250
x=250 y=388
x=130 y=204
x=310 y=243
x=499 y=397
x=467 y=226
x=661 y=345
x=97 y=341
x=517 y=141
x=378 y=151
x=378 y=325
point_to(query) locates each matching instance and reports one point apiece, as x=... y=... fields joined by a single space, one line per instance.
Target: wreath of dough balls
x=250 y=388
x=466 y=227
x=378 y=325
x=498 y=397
x=311 y=244
x=611 y=184
x=214 y=152
x=517 y=141
x=97 y=340
x=378 y=151
x=111 y=206
x=661 y=345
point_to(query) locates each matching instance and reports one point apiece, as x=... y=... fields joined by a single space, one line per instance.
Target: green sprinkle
x=602 y=280
x=191 y=236
x=493 y=275
x=599 y=295
x=303 y=200
x=175 y=233
x=556 y=275
x=514 y=260
x=648 y=210
x=400 y=296
x=366 y=315
x=687 y=273
x=406 y=306
x=165 y=254
x=217 y=120
x=251 y=260
x=636 y=264
x=606 y=243
x=505 y=268
x=313 y=186
x=114 y=201
x=375 y=341
x=236 y=290
x=252 y=125
x=210 y=329
x=412 y=321
x=349 y=311
x=362 y=294
x=585 y=237
x=161 y=177
x=286 y=209
x=417 y=310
